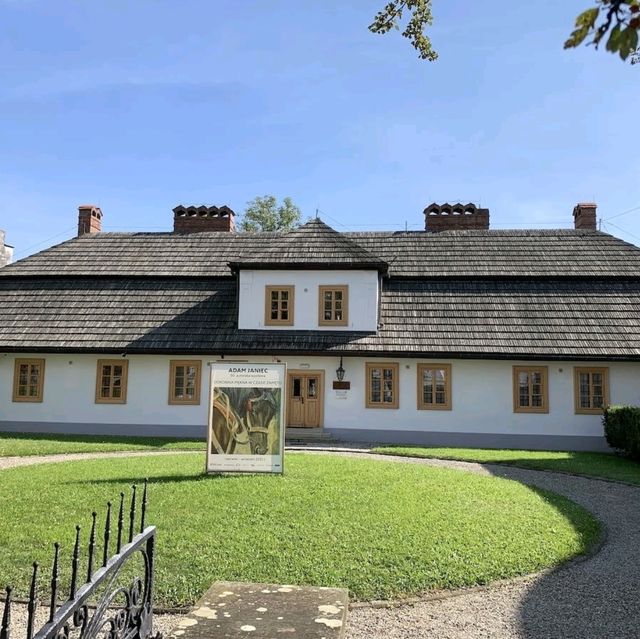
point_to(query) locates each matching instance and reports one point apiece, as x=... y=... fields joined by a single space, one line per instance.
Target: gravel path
x=14 y=462
x=597 y=598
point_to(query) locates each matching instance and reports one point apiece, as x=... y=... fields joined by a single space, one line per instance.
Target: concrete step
x=231 y=610
x=307 y=434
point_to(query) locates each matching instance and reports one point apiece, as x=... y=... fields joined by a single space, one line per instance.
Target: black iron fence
x=100 y=605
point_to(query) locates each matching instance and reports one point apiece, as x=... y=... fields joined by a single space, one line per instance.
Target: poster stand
x=245 y=432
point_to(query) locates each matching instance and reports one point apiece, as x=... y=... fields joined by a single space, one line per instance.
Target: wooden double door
x=305 y=399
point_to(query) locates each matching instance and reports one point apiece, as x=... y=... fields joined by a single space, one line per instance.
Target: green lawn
x=25 y=444
x=578 y=463
x=381 y=529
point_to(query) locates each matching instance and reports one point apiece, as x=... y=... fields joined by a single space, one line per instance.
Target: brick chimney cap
x=581 y=206
x=455 y=217
x=91 y=209
x=455 y=209
x=203 y=211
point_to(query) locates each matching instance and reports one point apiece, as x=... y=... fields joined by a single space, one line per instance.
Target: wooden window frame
x=30 y=361
x=395 y=367
x=344 y=289
x=267 y=304
x=604 y=370
x=173 y=364
x=422 y=405
x=544 y=371
x=125 y=381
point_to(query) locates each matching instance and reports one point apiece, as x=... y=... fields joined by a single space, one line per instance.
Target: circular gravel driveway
x=598 y=597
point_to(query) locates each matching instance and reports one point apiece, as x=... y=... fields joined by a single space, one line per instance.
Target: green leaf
x=584 y=23
x=576 y=38
x=588 y=18
x=628 y=42
x=613 y=43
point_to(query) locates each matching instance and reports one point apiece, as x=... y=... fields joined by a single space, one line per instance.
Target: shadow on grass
x=155 y=442
x=594 y=595
x=165 y=479
x=611 y=466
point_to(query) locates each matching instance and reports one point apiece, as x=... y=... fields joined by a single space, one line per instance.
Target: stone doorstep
x=230 y=610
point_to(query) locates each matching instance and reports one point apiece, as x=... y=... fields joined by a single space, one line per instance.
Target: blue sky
x=138 y=106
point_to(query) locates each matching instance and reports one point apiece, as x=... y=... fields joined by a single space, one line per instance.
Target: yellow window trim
x=16 y=380
x=422 y=405
x=173 y=364
x=267 y=305
x=544 y=373
x=576 y=389
x=342 y=288
x=125 y=380
x=369 y=367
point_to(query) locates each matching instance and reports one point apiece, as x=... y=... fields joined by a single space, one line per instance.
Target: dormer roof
x=314 y=245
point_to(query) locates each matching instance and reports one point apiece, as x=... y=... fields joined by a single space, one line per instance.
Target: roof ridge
x=314 y=242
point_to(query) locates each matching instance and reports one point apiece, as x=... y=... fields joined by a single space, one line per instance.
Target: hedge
x=622 y=429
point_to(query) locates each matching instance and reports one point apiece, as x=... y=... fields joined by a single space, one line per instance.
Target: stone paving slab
x=230 y=610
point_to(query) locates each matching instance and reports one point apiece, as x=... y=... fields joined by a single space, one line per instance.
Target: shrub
x=622 y=429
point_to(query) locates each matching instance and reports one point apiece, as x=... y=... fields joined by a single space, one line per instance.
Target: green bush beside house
x=622 y=429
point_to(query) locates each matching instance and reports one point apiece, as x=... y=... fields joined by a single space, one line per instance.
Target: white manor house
x=455 y=335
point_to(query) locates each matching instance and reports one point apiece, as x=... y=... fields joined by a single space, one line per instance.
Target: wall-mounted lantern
x=341 y=385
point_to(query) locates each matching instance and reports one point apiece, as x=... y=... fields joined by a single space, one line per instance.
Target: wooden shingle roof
x=312 y=245
x=550 y=319
x=563 y=253
x=504 y=253
x=493 y=294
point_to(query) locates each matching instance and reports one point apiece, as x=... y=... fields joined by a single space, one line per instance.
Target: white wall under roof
x=482 y=402
x=363 y=298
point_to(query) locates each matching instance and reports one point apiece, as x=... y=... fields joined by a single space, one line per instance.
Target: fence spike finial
x=120 y=523
x=55 y=577
x=107 y=535
x=75 y=563
x=33 y=601
x=92 y=545
x=5 y=627
x=132 y=512
x=144 y=506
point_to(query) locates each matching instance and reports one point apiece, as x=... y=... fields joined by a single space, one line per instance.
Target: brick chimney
x=89 y=220
x=455 y=217
x=197 y=219
x=584 y=216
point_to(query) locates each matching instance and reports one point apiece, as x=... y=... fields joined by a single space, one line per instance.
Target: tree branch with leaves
x=420 y=18
x=620 y=19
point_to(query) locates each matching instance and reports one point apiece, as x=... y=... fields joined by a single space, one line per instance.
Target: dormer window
x=334 y=306
x=279 y=306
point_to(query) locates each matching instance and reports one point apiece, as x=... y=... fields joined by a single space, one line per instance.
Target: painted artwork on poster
x=246 y=418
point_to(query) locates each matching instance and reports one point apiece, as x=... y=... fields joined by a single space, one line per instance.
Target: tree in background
x=264 y=214
x=620 y=19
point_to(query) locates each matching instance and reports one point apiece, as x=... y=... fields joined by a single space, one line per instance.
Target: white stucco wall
x=70 y=387
x=482 y=398
x=363 y=298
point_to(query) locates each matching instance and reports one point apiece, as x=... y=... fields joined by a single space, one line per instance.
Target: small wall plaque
x=341 y=385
